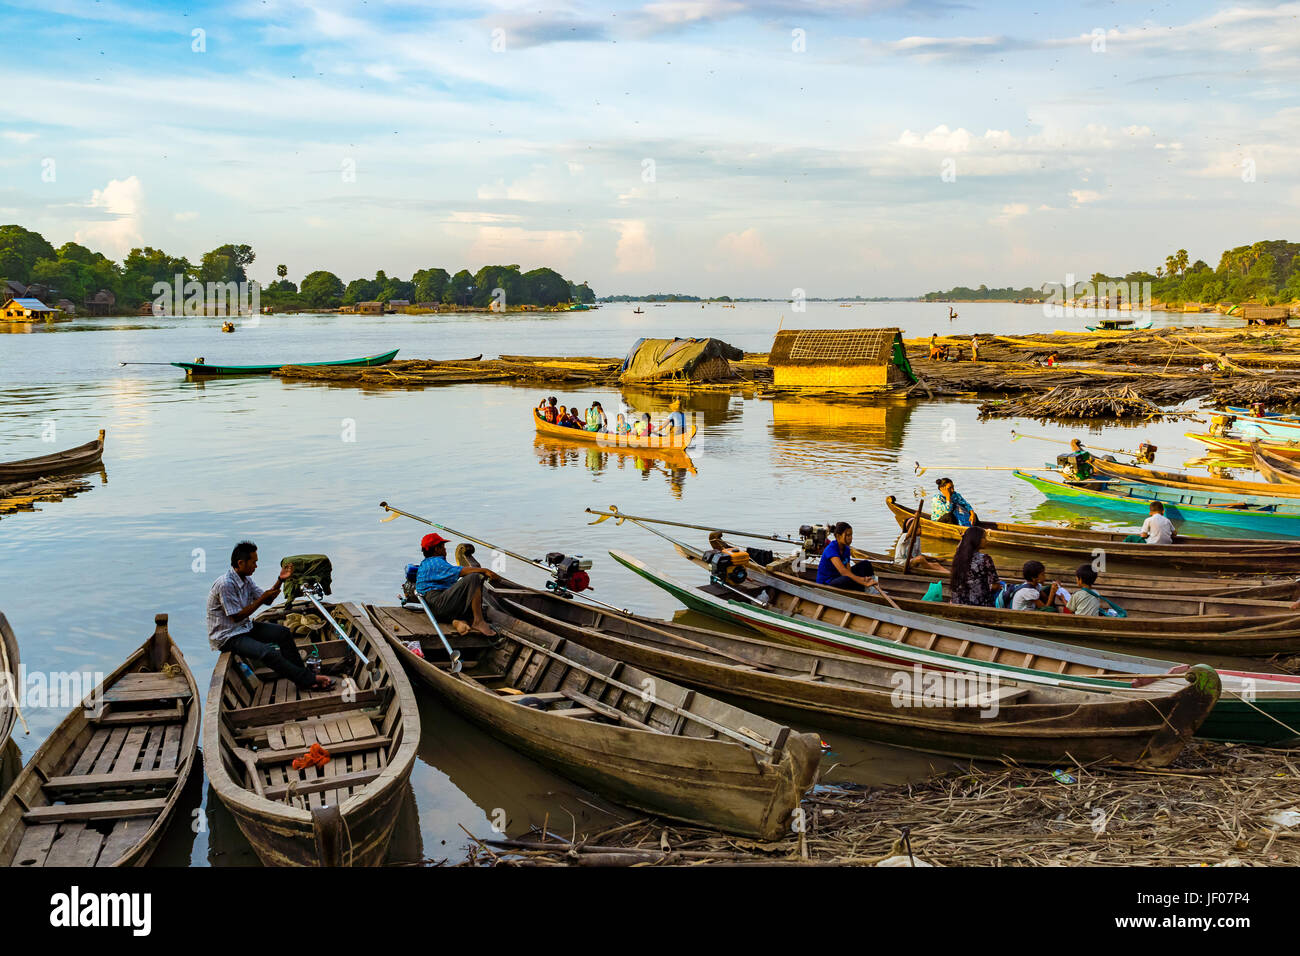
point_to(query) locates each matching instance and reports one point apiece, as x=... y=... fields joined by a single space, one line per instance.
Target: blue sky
x=678 y=145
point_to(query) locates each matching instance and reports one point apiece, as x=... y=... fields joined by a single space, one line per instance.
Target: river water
x=192 y=467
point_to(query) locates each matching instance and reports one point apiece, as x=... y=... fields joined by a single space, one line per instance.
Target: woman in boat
x=974 y=579
x=949 y=507
x=643 y=428
x=919 y=558
x=596 y=420
x=621 y=427
x=1083 y=469
x=834 y=568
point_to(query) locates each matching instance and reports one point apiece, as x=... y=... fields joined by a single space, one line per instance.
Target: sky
x=710 y=147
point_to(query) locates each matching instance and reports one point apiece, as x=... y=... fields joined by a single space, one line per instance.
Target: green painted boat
x=1249 y=512
x=203 y=370
x=1255 y=707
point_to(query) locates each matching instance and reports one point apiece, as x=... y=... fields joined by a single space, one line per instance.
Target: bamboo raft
x=341 y=813
x=1024 y=722
x=668 y=750
x=102 y=788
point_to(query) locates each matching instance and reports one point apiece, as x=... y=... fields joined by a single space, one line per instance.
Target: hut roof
x=840 y=347
x=33 y=305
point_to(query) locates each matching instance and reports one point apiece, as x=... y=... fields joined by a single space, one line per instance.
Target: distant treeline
x=76 y=273
x=961 y=292
x=662 y=297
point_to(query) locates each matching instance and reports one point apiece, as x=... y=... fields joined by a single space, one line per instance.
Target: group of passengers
x=594 y=419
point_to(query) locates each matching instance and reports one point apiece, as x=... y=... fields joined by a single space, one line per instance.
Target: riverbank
x=1218 y=805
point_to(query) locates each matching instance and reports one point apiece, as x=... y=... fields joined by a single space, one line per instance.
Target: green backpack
x=307 y=569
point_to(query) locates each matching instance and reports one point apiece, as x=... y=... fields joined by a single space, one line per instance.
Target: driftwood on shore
x=1218 y=805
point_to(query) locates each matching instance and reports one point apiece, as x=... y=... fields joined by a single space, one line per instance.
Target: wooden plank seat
x=145 y=687
x=109 y=781
x=159 y=715
x=326 y=782
x=263 y=714
x=109 y=809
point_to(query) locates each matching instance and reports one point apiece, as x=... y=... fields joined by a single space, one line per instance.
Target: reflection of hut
x=690 y=360
x=855 y=359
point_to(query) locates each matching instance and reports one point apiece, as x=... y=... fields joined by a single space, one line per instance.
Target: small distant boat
x=1276 y=468
x=80 y=458
x=638 y=311
x=202 y=369
x=1120 y=325
x=227 y=326
x=102 y=788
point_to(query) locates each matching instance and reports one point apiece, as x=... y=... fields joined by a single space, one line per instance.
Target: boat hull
x=658 y=444
x=82 y=458
x=203 y=370
x=693 y=779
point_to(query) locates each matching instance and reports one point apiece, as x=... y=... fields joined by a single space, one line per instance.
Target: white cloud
x=634 y=251
x=1010 y=211
x=1083 y=196
x=549 y=247
x=745 y=248
x=122 y=201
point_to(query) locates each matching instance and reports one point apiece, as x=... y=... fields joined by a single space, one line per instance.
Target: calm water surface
x=190 y=468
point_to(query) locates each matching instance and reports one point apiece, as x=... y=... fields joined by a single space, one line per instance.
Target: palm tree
x=281 y=271
x=1180 y=258
x=1171 y=265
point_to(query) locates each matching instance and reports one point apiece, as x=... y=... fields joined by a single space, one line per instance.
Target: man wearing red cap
x=453 y=593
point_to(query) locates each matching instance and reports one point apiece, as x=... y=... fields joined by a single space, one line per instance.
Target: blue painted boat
x=1239 y=411
x=1253 y=512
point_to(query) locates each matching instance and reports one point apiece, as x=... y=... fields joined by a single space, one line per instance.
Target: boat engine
x=570 y=572
x=1146 y=453
x=814 y=537
x=727 y=565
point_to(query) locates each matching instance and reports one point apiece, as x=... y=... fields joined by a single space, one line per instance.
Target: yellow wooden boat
x=1243 y=446
x=662 y=444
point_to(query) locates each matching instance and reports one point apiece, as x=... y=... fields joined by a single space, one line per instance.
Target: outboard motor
x=727 y=565
x=814 y=537
x=1146 y=453
x=570 y=572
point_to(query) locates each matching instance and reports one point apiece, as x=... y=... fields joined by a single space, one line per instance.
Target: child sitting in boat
x=643 y=427
x=1028 y=596
x=1085 y=600
x=1158 y=529
x=621 y=427
x=549 y=411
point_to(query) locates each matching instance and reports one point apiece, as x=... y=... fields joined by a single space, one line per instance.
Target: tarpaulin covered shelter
x=864 y=359
x=693 y=360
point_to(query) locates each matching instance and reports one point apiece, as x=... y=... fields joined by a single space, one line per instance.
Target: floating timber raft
x=999 y=816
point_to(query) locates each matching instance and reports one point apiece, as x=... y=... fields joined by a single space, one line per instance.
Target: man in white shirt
x=1158 y=529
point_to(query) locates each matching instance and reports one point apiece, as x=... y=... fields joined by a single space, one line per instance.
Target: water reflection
x=557 y=453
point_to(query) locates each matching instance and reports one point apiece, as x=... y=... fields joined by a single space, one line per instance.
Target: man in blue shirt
x=453 y=593
x=835 y=569
x=676 y=423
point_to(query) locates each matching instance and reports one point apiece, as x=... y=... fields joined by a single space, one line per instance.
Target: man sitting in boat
x=233 y=600
x=676 y=422
x=949 y=507
x=1081 y=468
x=596 y=420
x=834 y=568
x=551 y=413
x=1158 y=529
x=453 y=593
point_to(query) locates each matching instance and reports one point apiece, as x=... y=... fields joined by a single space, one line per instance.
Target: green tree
x=19 y=250
x=143 y=268
x=360 y=290
x=281 y=272
x=1180 y=260
x=226 y=263
x=430 y=284
x=460 y=289
x=321 y=290
x=544 y=287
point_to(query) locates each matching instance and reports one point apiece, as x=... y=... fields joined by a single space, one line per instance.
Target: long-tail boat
x=203 y=369
x=1072 y=545
x=1276 y=468
x=81 y=458
x=1254 y=708
x=1021 y=721
x=1154 y=619
x=1242 y=446
x=1221 y=509
x=660 y=444
x=102 y=788
x=1254 y=426
x=1225 y=487
x=341 y=812
x=613 y=727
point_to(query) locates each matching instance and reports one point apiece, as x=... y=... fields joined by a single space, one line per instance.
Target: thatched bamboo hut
x=847 y=359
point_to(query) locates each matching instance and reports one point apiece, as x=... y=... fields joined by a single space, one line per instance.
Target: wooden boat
x=1031 y=723
x=1279 y=471
x=1219 y=509
x=81 y=458
x=102 y=788
x=342 y=812
x=1076 y=546
x=1155 y=618
x=1183 y=480
x=9 y=676
x=1241 y=410
x=1253 y=426
x=1254 y=707
x=659 y=443
x=671 y=752
x=202 y=369
x=1242 y=446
